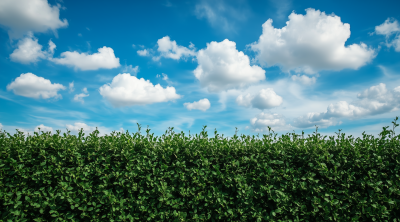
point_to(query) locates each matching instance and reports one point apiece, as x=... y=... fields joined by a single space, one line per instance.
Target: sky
x=234 y=66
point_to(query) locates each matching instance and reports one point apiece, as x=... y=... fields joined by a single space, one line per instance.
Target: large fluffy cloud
x=30 y=51
x=221 y=67
x=389 y=28
x=310 y=43
x=103 y=59
x=32 y=86
x=127 y=90
x=202 y=105
x=169 y=49
x=264 y=99
x=21 y=16
x=373 y=101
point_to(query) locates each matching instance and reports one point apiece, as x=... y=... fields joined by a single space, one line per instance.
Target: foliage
x=196 y=178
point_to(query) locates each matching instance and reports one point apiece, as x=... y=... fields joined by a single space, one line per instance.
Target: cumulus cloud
x=261 y=122
x=30 y=51
x=143 y=52
x=103 y=59
x=388 y=28
x=303 y=79
x=221 y=67
x=32 y=86
x=264 y=99
x=310 y=43
x=21 y=16
x=43 y=128
x=373 y=101
x=202 y=105
x=127 y=90
x=169 y=49
x=79 y=97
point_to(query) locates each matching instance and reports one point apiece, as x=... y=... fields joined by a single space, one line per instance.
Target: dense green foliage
x=123 y=177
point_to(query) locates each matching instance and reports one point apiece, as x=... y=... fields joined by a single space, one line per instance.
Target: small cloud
x=133 y=46
x=169 y=49
x=265 y=99
x=388 y=28
x=79 y=34
x=143 y=52
x=79 y=97
x=71 y=87
x=165 y=76
x=130 y=69
x=30 y=51
x=264 y=120
x=202 y=105
x=303 y=79
x=103 y=59
x=32 y=86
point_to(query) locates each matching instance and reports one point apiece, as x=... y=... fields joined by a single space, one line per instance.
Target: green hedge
x=123 y=177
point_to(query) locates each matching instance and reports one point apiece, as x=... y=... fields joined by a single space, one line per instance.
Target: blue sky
x=289 y=65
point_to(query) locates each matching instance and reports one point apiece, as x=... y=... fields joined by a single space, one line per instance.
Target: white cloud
x=202 y=105
x=71 y=87
x=103 y=59
x=221 y=66
x=43 y=128
x=1 y=126
x=388 y=28
x=263 y=120
x=30 y=51
x=143 y=52
x=310 y=43
x=127 y=90
x=130 y=69
x=21 y=16
x=32 y=86
x=373 y=101
x=79 y=97
x=169 y=49
x=264 y=99
x=303 y=79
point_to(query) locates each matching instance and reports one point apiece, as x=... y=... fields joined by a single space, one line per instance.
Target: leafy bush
x=196 y=178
